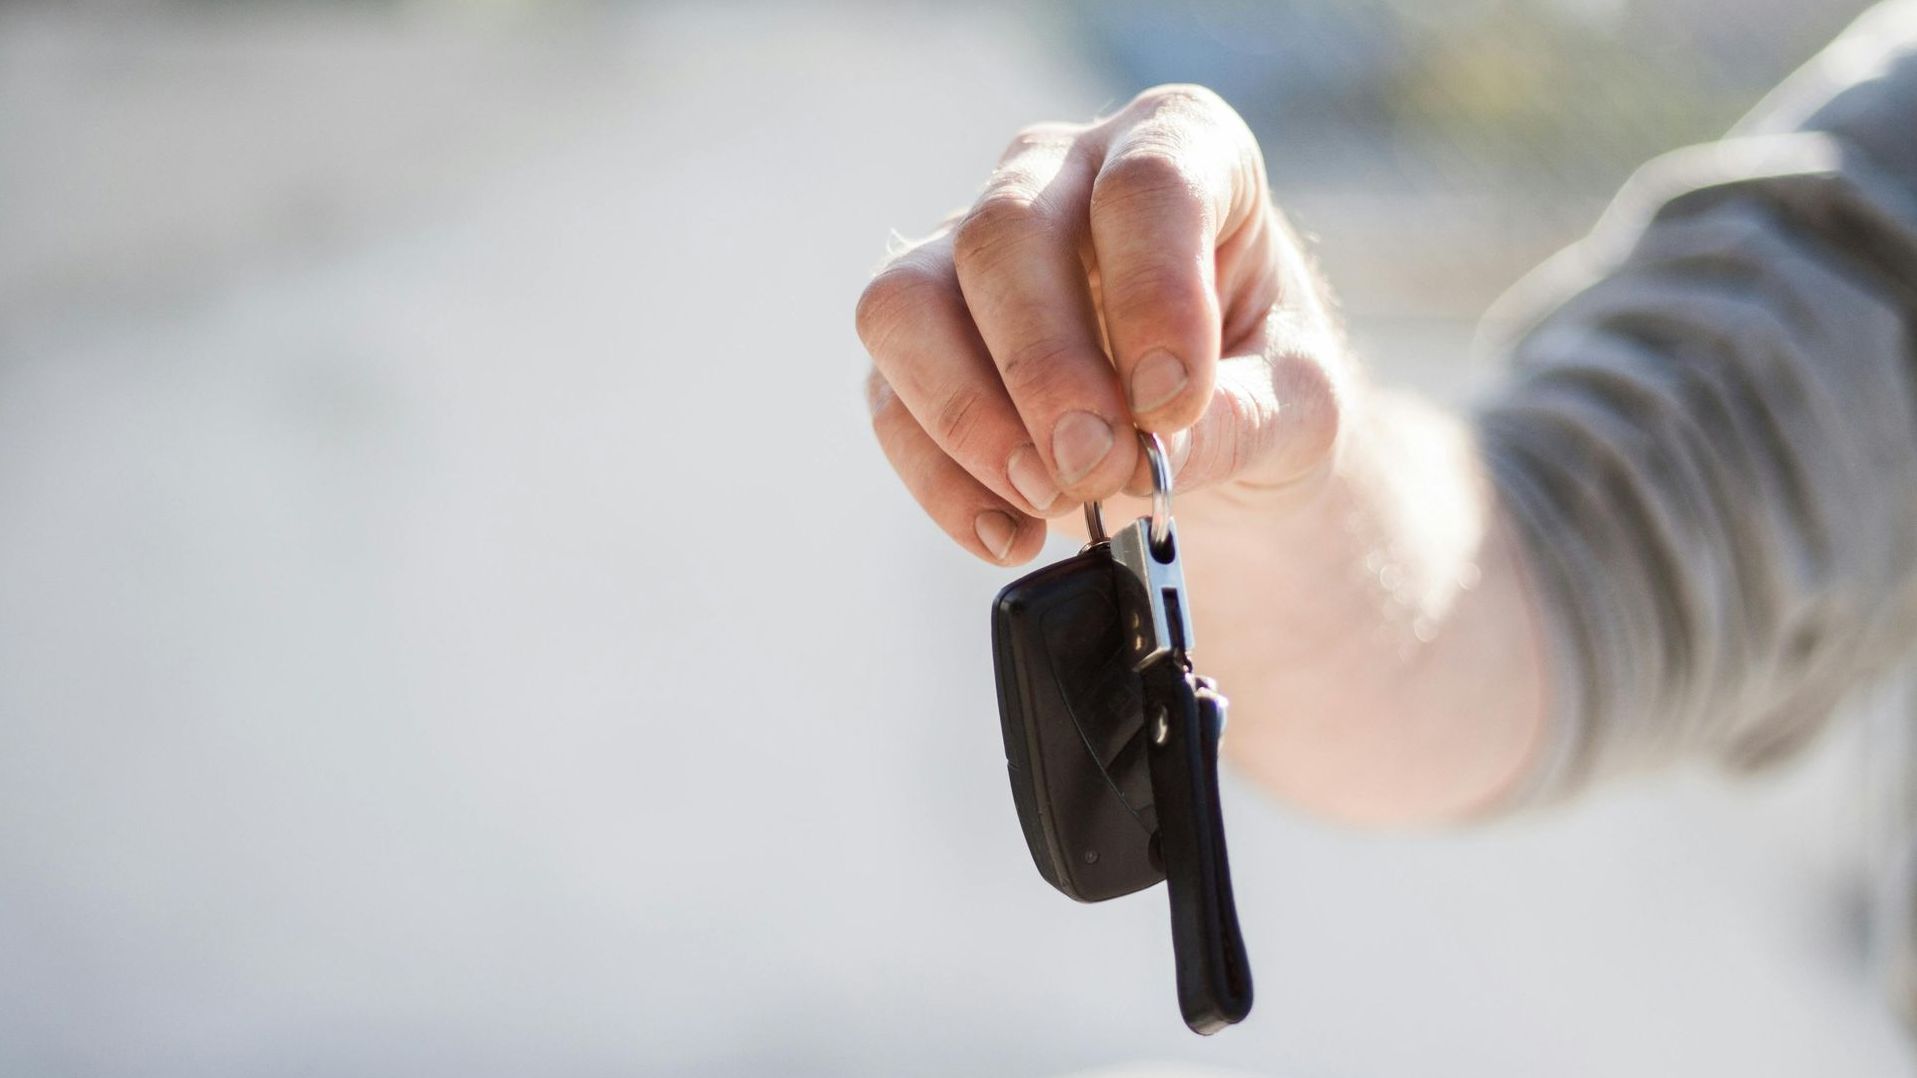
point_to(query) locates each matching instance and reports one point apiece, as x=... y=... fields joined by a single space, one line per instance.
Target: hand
x=1348 y=582
x=1126 y=273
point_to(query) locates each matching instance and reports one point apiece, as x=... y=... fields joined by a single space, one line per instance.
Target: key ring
x=1159 y=462
x=1094 y=524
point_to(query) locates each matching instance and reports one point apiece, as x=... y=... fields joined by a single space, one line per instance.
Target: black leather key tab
x=1214 y=973
x=1073 y=724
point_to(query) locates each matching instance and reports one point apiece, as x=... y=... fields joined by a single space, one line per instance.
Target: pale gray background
x=453 y=619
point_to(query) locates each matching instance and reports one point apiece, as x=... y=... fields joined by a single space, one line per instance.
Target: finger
x=1018 y=259
x=981 y=521
x=922 y=340
x=1181 y=177
x=1270 y=422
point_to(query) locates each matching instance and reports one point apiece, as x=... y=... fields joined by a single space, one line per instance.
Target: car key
x=1111 y=742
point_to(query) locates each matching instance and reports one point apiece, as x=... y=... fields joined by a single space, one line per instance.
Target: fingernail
x=1030 y=478
x=1156 y=380
x=1079 y=441
x=996 y=531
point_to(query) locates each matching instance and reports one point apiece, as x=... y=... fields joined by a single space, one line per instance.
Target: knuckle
x=1040 y=137
x=1002 y=221
x=1037 y=369
x=881 y=401
x=1151 y=175
x=1186 y=98
x=960 y=421
x=1195 y=130
x=892 y=299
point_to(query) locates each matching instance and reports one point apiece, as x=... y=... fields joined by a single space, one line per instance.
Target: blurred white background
x=453 y=619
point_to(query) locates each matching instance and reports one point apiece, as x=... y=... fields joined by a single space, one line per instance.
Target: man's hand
x=1349 y=585
x=1126 y=273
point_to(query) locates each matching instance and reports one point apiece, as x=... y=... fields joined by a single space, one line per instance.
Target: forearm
x=1701 y=535
x=1684 y=528
x=1372 y=623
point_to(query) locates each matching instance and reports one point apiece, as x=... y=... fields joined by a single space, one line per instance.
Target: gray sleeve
x=1709 y=445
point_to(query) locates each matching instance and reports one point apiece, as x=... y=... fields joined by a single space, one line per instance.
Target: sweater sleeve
x=1709 y=443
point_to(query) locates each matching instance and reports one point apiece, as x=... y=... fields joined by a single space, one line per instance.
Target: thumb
x=1271 y=422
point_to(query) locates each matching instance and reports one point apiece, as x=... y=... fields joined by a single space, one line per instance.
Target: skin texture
x=1354 y=587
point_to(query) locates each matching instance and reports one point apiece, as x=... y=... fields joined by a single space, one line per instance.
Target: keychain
x=1111 y=741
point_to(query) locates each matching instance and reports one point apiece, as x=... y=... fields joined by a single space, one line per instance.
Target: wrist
x=1370 y=624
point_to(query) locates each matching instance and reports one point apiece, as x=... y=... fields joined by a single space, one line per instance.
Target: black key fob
x=1111 y=740
x=1071 y=711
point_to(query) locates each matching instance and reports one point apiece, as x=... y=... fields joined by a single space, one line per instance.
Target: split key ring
x=1159 y=463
